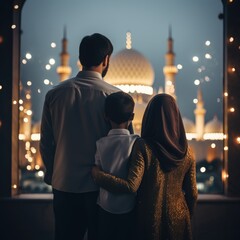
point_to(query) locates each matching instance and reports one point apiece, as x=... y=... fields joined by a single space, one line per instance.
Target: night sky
x=193 y=23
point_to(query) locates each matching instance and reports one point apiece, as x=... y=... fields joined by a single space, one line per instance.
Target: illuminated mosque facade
x=133 y=73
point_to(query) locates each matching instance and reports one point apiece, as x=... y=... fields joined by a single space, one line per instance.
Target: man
x=72 y=121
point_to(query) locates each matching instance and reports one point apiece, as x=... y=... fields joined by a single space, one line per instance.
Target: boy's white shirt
x=112 y=155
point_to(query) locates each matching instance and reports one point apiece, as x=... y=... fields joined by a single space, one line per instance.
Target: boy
x=113 y=151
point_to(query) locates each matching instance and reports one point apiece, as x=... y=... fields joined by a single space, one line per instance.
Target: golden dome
x=188 y=125
x=214 y=126
x=130 y=67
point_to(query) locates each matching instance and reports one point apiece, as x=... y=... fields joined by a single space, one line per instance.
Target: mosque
x=133 y=73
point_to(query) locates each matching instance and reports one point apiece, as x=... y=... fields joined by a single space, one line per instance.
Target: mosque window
x=186 y=64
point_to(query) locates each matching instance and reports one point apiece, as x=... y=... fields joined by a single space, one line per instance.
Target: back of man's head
x=93 y=49
x=119 y=107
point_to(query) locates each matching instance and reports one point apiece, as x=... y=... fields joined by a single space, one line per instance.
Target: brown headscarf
x=163 y=130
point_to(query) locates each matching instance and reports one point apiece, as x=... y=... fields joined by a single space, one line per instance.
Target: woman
x=162 y=171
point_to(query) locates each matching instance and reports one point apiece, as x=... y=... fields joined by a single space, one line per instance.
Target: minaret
x=64 y=70
x=170 y=70
x=199 y=116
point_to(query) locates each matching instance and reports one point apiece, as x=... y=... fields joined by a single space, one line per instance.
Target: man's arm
x=47 y=144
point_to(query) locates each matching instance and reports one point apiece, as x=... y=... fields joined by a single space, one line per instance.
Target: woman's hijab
x=163 y=130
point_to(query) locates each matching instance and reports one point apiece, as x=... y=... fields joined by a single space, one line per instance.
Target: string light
x=238 y=140
x=232 y=109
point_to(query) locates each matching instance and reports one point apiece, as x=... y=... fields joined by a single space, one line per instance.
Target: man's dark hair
x=93 y=49
x=119 y=107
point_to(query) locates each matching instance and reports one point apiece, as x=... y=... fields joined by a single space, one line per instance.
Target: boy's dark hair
x=93 y=49
x=119 y=107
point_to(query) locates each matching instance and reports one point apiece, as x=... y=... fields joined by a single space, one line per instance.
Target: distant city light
x=213 y=145
x=197 y=82
x=28 y=56
x=29 y=83
x=208 y=56
x=29 y=167
x=40 y=173
x=52 y=61
x=207 y=43
x=207 y=79
x=179 y=66
x=48 y=67
x=25 y=120
x=53 y=45
x=46 y=81
x=195 y=59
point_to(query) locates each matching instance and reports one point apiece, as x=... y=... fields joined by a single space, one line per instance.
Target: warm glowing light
x=29 y=167
x=179 y=66
x=231 y=39
x=195 y=59
x=29 y=83
x=48 y=67
x=213 y=136
x=225 y=94
x=232 y=109
x=33 y=150
x=20 y=101
x=28 y=96
x=40 y=173
x=16 y=6
x=238 y=140
x=35 y=137
x=53 y=45
x=224 y=175
x=14 y=102
x=29 y=112
x=52 y=61
x=37 y=167
x=21 y=108
x=207 y=43
x=136 y=88
x=46 y=81
x=225 y=148
x=28 y=56
x=25 y=120
x=195 y=100
x=197 y=82
x=202 y=169
x=21 y=136
x=24 y=61
x=13 y=26
x=213 y=145
x=14 y=186
x=233 y=69
x=1 y=87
